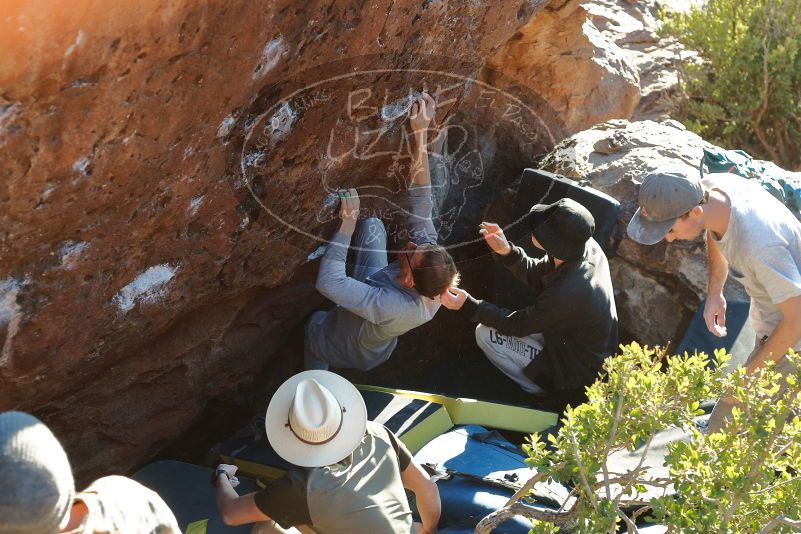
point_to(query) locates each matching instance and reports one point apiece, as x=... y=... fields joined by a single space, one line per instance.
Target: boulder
x=657 y=288
x=596 y=60
x=167 y=174
x=633 y=27
x=563 y=57
x=170 y=169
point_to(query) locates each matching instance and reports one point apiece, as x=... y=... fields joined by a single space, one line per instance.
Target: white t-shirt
x=119 y=505
x=763 y=247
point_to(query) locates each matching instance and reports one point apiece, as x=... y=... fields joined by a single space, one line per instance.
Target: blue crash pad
x=464 y=501
x=739 y=339
x=187 y=490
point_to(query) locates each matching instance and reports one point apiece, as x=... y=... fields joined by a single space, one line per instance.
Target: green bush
x=746 y=91
x=737 y=480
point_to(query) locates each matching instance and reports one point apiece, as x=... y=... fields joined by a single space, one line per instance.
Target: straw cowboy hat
x=316 y=418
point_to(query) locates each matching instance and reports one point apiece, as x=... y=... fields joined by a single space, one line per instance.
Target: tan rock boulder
x=657 y=287
x=563 y=57
x=596 y=60
x=633 y=27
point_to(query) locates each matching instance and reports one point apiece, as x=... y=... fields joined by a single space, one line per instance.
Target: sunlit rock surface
x=633 y=27
x=169 y=169
x=565 y=58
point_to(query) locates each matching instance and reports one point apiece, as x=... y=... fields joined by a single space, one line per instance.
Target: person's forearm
x=332 y=276
x=347 y=227
x=784 y=336
x=421 y=173
x=519 y=323
x=226 y=494
x=527 y=270
x=334 y=284
x=718 y=267
x=429 y=507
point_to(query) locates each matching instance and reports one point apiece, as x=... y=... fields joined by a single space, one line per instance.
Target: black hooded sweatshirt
x=574 y=311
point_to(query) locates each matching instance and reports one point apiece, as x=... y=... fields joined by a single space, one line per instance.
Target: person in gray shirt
x=379 y=301
x=749 y=234
x=348 y=474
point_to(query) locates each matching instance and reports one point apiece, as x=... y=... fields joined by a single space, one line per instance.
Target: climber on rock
x=378 y=301
x=749 y=234
x=557 y=345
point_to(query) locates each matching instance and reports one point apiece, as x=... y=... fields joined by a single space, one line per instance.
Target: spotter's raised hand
x=494 y=237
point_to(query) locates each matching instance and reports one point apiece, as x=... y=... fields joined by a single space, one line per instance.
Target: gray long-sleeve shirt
x=362 y=330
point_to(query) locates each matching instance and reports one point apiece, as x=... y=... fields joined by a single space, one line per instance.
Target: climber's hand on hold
x=348 y=210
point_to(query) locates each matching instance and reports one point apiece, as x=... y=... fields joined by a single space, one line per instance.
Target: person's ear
x=697 y=211
x=408 y=279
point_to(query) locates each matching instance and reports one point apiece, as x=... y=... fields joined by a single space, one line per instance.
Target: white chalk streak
x=225 y=127
x=149 y=286
x=253 y=158
x=397 y=109
x=10 y=314
x=70 y=252
x=270 y=57
x=281 y=122
x=81 y=166
x=8 y=112
x=195 y=203
x=74 y=45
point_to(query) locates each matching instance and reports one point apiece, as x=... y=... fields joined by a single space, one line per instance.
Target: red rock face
x=142 y=144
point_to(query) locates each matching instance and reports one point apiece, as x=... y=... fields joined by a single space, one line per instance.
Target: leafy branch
x=745 y=91
x=742 y=479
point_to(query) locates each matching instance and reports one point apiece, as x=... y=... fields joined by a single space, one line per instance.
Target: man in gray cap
x=558 y=344
x=749 y=234
x=38 y=495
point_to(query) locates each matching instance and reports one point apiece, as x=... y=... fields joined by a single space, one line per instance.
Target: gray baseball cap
x=664 y=197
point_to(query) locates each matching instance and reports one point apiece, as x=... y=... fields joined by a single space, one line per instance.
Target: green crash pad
x=416 y=418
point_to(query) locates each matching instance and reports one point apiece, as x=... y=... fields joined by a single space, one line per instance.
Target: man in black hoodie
x=558 y=344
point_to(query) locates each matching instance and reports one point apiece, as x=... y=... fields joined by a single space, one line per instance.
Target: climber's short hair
x=435 y=272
